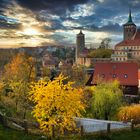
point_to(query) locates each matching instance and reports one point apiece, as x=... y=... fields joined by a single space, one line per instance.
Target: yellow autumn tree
x=1 y=88
x=56 y=103
x=127 y=113
x=21 y=67
x=18 y=74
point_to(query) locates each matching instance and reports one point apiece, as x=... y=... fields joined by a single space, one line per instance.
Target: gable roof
x=134 y=41
x=125 y=72
x=129 y=43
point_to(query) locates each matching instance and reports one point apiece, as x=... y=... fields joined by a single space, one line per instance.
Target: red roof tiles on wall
x=129 y=43
x=134 y=41
x=126 y=73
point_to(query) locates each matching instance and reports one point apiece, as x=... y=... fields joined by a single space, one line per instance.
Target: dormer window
x=125 y=75
x=114 y=75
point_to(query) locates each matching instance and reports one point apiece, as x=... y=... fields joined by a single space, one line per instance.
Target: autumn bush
x=56 y=103
x=127 y=113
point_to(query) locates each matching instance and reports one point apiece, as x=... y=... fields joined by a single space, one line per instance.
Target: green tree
x=19 y=93
x=79 y=75
x=107 y=98
x=101 y=53
x=105 y=43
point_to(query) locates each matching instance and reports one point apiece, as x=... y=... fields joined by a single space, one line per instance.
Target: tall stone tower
x=129 y=28
x=80 y=43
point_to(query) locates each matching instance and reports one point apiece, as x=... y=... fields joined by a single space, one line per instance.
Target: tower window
x=114 y=75
x=125 y=75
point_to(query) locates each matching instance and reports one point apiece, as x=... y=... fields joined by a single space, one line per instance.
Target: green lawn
x=127 y=135
x=9 y=134
x=119 y=135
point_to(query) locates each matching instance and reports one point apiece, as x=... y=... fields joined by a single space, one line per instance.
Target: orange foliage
x=129 y=112
x=21 y=67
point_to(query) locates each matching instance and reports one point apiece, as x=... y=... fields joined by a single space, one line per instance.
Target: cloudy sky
x=56 y=22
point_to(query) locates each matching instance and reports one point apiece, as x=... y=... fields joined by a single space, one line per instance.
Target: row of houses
x=127 y=73
x=123 y=65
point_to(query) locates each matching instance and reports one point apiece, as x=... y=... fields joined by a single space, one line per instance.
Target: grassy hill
x=9 y=134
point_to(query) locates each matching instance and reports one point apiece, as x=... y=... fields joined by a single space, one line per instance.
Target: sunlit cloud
x=30 y=31
x=35 y=23
x=68 y=23
x=83 y=10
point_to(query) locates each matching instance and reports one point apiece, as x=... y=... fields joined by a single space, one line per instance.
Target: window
x=114 y=75
x=125 y=75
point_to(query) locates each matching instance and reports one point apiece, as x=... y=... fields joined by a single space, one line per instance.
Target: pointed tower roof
x=81 y=32
x=130 y=21
x=130 y=17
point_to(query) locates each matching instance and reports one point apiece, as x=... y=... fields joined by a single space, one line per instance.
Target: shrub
x=127 y=113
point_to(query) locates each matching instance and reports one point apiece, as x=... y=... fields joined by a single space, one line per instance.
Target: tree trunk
x=106 y=116
x=24 y=115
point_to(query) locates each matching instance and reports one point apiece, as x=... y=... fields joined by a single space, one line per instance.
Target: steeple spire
x=81 y=32
x=129 y=31
x=130 y=17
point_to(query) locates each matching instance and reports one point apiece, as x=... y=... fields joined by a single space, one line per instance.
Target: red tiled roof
x=125 y=72
x=134 y=41
x=129 y=42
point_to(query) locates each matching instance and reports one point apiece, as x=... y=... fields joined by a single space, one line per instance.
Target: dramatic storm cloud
x=56 y=22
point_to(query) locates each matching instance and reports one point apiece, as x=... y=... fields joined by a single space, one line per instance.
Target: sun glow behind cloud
x=30 y=32
x=29 y=23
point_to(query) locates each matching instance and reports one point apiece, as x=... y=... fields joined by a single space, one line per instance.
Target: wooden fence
x=94 y=125
x=85 y=125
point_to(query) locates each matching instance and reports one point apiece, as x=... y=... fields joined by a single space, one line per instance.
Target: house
x=129 y=48
x=49 y=61
x=125 y=72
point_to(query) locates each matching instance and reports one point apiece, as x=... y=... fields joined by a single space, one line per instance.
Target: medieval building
x=129 y=48
x=81 y=51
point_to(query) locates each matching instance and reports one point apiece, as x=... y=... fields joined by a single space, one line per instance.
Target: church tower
x=80 y=43
x=129 y=28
